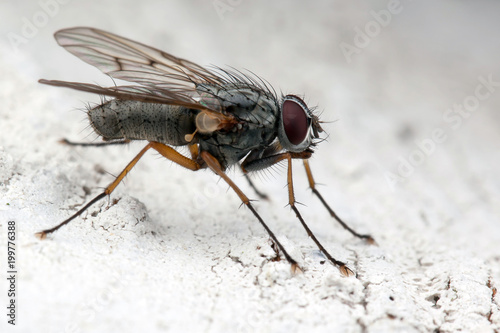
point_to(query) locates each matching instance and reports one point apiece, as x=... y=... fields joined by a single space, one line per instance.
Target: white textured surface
x=176 y=254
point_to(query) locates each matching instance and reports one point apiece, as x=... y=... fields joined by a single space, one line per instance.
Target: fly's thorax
x=135 y=120
x=248 y=103
x=257 y=113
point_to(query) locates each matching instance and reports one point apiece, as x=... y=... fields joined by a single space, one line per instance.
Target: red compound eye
x=295 y=122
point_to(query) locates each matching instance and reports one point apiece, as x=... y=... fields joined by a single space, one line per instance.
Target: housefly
x=225 y=117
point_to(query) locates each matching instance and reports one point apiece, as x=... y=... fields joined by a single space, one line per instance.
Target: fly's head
x=298 y=126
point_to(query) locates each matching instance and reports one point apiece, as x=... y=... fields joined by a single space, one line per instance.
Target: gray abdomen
x=134 y=120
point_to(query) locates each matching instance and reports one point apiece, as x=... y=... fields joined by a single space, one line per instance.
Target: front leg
x=312 y=184
x=254 y=164
x=256 y=161
x=263 y=159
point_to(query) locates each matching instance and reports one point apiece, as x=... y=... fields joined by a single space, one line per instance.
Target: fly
x=225 y=117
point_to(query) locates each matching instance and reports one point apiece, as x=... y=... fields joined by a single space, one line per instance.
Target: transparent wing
x=124 y=59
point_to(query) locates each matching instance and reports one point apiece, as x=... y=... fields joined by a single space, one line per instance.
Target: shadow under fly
x=225 y=117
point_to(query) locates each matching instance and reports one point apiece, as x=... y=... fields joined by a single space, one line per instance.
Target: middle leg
x=312 y=184
x=346 y=271
x=213 y=164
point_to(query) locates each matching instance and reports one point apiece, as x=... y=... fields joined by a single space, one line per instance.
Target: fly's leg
x=346 y=271
x=312 y=184
x=254 y=164
x=43 y=234
x=261 y=195
x=213 y=164
x=253 y=158
x=166 y=151
x=194 y=150
x=176 y=157
x=94 y=144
